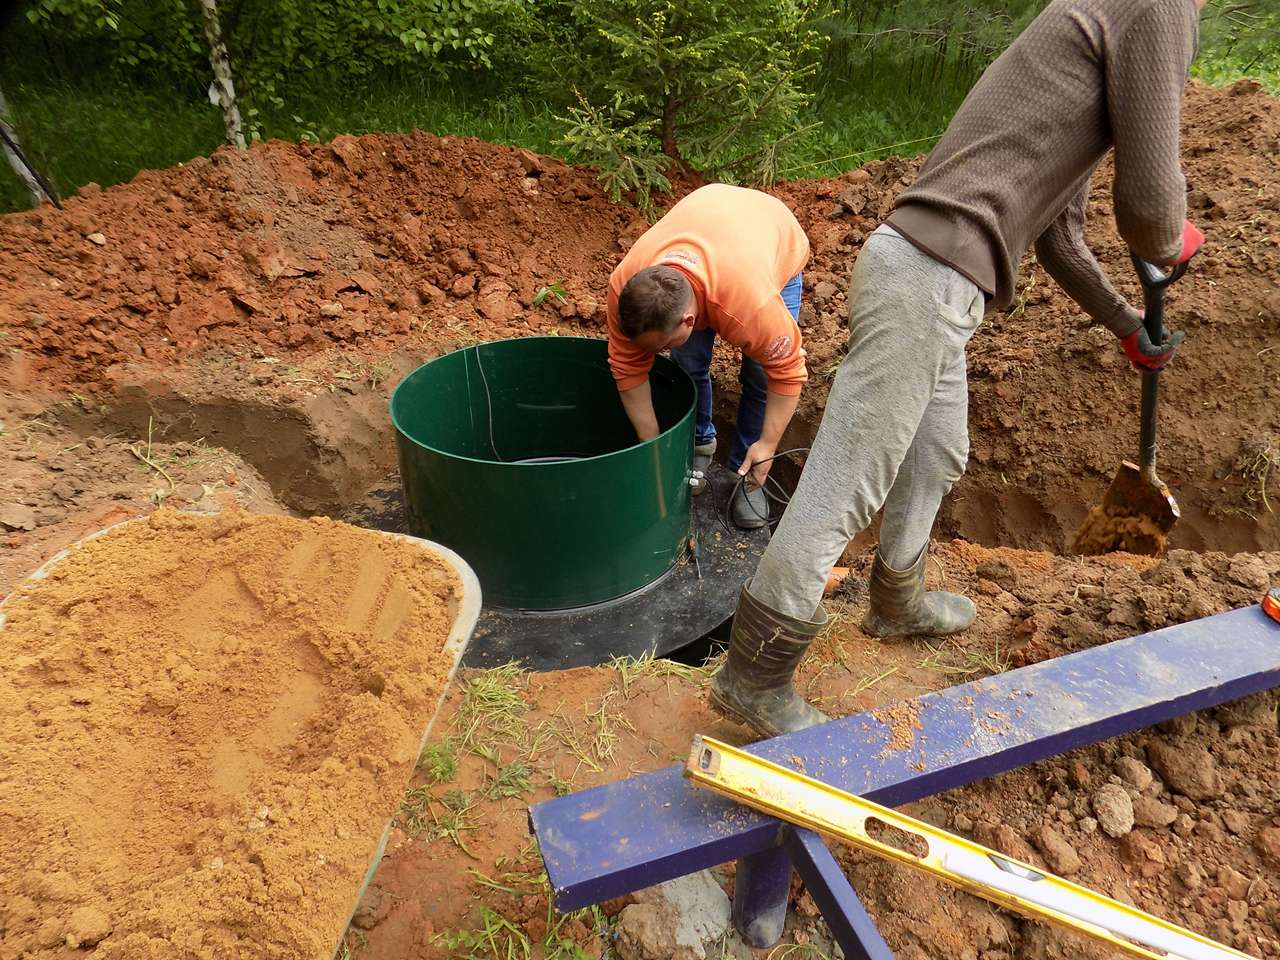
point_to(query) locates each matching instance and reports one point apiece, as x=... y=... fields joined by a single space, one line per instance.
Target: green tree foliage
x=1241 y=37
x=930 y=49
x=744 y=91
x=701 y=85
x=624 y=150
x=276 y=45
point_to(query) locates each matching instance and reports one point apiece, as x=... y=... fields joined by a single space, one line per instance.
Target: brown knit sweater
x=1014 y=165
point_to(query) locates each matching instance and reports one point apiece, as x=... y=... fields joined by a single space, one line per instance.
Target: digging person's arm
x=1062 y=251
x=778 y=411
x=1145 y=79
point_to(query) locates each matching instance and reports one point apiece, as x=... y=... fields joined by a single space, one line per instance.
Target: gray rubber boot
x=750 y=507
x=754 y=686
x=900 y=607
x=700 y=467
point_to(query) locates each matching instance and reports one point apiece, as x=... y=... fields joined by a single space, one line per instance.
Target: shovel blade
x=1133 y=495
x=1135 y=516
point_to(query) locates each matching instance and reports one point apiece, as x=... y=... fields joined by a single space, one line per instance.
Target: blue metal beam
x=850 y=924
x=624 y=836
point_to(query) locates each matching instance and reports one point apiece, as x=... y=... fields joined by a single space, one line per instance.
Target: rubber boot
x=900 y=606
x=754 y=686
x=750 y=507
x=700 y=467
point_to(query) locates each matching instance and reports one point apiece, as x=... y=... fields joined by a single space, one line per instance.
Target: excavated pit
x=333 y=453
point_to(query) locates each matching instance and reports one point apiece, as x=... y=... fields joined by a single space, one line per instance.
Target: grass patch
x=953 y=660
x=499 y=938
x=492 y=710
x=631 y=669
x=868 y=681
x=512 y=780
x=452 y=821
x=444 y=817
x=439 y=761
x=353 y=943
x=797 y=951
x=511 y=883
x=1259 y=466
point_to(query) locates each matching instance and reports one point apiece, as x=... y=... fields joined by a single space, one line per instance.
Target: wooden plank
x=624 y=836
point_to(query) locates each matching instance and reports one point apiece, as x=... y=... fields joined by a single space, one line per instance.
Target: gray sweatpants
x=895 y=431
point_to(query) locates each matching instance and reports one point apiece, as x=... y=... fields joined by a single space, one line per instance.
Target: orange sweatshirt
x=738 y=247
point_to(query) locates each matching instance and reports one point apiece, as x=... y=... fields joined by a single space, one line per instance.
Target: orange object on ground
x=738 y=248
x=838 y=576
x=1271 y=604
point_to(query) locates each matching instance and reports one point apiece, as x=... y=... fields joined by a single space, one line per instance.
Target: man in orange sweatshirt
x=724 y=260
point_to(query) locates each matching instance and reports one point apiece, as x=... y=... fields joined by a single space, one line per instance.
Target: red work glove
x=1192 y=241
x=1145 y=355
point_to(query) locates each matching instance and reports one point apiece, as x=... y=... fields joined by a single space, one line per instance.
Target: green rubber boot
x=900 y=607
x=754 y=686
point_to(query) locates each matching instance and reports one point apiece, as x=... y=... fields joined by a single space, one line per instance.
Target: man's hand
x=1145 y=355
x=1192 y=241
x=758 y=460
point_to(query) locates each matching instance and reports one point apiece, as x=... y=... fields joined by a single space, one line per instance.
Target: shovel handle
x=1154 y=284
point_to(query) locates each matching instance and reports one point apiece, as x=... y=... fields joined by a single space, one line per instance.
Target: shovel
x=1138 y=511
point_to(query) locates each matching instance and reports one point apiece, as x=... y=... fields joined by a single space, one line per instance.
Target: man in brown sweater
x=1013 y=169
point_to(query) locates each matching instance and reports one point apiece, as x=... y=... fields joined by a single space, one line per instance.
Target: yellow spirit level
x=970 y=866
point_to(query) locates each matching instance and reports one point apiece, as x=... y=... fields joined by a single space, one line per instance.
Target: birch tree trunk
x=223 y=89
x=38 y=196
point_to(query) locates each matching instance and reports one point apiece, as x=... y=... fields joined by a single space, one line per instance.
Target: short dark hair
x=655 y=298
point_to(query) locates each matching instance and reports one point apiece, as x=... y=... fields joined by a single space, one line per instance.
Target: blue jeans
x=694 y=357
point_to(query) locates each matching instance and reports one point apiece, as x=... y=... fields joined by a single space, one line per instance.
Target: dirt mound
x=1033 y=606
x=291 y=248
x=206 y=722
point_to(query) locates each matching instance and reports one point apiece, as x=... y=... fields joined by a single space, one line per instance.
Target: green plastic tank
x=518 y=455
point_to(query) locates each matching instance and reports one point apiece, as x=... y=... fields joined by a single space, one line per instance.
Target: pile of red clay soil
x=205 y=724
x=1180 y=820
x=290 y=248
x=386 y=242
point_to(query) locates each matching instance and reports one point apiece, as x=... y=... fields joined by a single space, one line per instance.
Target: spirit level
x=985 y=873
